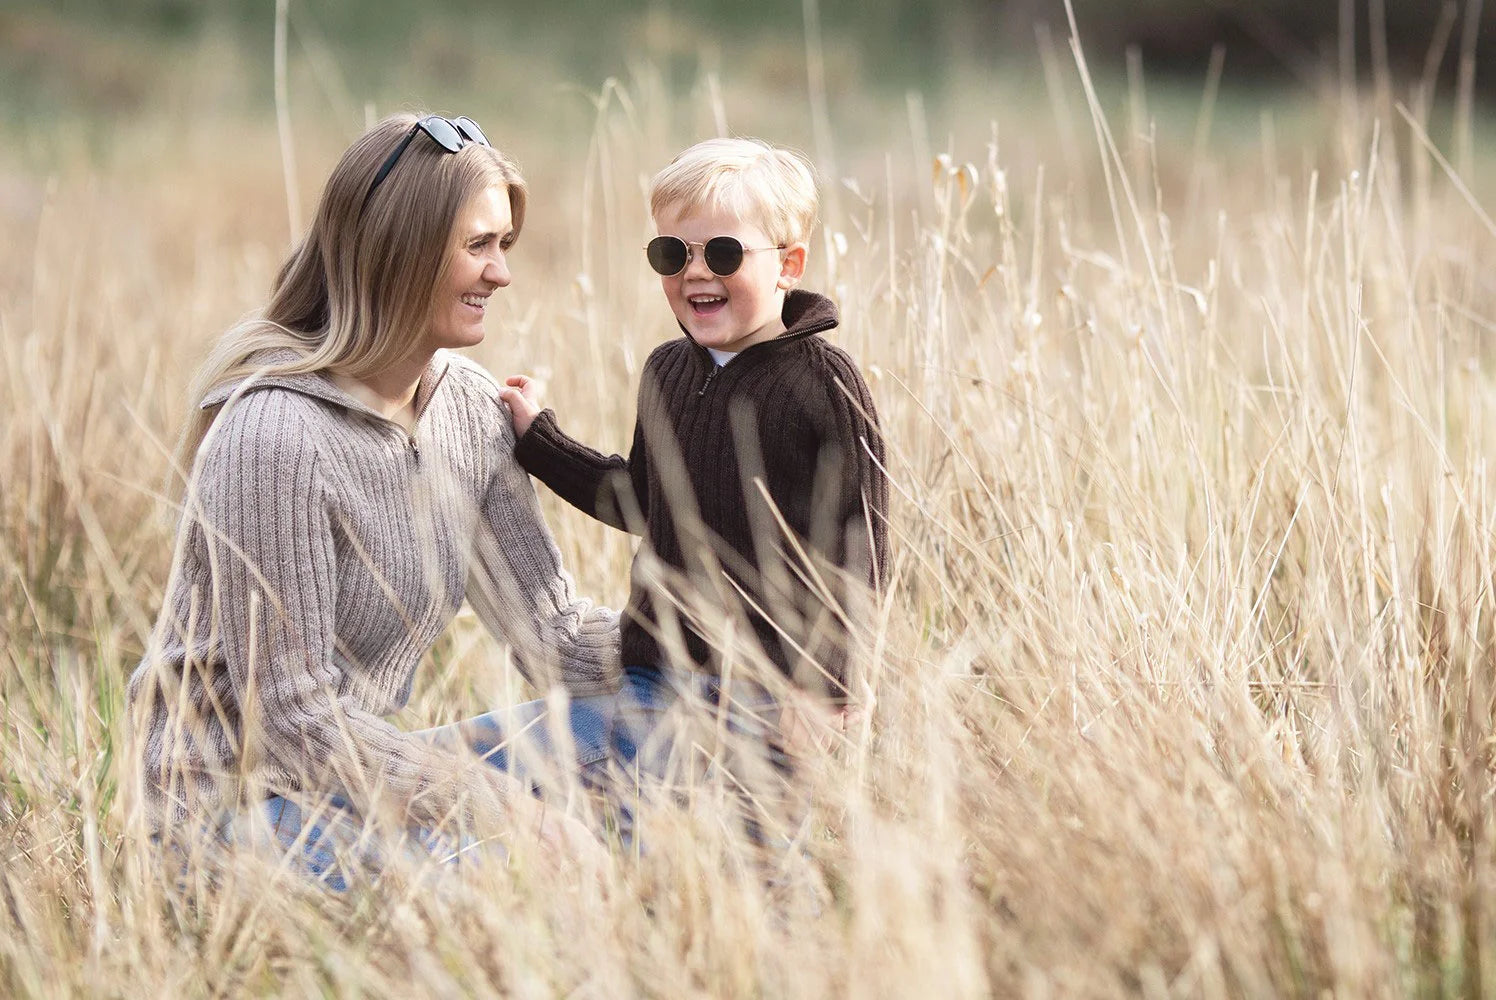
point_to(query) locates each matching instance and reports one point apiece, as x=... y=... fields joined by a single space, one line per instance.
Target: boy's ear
x=792 y=267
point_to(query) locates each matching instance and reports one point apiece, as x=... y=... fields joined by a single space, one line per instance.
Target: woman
x=352 y=481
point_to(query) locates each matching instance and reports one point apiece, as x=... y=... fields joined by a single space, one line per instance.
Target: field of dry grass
x=1184 y=686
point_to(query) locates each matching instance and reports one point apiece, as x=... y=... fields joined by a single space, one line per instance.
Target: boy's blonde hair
x=770 y=187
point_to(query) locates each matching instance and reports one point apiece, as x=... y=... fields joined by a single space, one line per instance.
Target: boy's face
x=742 y=309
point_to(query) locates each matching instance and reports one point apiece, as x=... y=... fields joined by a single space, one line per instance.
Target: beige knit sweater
x=323 y=552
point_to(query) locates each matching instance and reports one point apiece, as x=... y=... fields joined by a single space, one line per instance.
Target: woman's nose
x=497 y=271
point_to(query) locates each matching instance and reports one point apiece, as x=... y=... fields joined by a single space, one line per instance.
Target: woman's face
x=475 y=267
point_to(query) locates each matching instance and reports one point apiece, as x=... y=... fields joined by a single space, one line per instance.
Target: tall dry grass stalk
x=1184 y=685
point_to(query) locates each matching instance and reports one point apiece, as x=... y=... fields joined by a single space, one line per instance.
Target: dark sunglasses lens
x=667 y=255
x=444 y=132
x=724 y=255
x=470 y=128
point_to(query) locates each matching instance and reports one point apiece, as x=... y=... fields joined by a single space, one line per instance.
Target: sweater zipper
x=707 y=384
x=782 y=338
x=410 y=435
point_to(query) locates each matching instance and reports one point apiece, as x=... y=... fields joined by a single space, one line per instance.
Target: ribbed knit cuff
x=527 y=445
x=537 y=450
x=573 y=471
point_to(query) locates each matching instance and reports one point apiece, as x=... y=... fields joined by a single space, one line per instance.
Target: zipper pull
x=415 y=448
x=707 y=384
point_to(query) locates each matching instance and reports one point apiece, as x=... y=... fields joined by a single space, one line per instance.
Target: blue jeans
x=624 y=746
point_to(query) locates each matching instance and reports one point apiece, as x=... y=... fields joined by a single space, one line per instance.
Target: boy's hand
x=810 y=726
x=522 y=394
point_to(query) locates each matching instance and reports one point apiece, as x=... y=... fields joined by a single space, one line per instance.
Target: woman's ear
x=792 y=265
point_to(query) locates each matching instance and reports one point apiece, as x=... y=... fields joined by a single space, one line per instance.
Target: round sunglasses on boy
x=670 y=255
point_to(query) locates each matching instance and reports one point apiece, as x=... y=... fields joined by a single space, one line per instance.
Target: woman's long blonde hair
x=355 y=296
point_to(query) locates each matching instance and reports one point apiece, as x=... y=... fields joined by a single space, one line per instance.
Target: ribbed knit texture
x=323 y=552
x=793 y=413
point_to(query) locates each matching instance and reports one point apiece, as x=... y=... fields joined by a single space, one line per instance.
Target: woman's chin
x=456 y=340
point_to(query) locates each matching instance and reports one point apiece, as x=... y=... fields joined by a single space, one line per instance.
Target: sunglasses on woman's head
x=450 y=134
x=669 y=255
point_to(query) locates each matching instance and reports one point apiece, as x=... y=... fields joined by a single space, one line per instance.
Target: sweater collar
x=270 y=374
x=804 y=314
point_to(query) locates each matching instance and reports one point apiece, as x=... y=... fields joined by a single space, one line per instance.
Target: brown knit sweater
x=791 y=417
x=324 y=551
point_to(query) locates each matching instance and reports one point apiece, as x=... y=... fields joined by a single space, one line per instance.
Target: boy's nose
x=696 y=264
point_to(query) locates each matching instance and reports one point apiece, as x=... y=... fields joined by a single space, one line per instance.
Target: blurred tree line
x=1298 y=39
x=905 y=40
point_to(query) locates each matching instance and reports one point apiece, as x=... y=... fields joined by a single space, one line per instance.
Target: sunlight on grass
x=1184 y=684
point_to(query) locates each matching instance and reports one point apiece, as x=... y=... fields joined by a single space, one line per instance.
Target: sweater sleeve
x=610 y=488
x=853 y=440
x=522 y=592
x=855 y=541
x=263 y=509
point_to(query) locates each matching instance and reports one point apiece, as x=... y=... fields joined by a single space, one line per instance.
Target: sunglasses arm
x=389 y=164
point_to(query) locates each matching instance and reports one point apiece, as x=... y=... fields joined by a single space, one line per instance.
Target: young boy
x=748 y=425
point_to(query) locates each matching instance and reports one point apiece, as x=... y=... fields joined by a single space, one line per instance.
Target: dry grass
x=1184 y=686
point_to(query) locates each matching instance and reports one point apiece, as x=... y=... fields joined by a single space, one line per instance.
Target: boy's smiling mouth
x=705 y=305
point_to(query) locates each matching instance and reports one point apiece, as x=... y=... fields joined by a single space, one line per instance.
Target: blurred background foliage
x=141 y=85
x=871 y=89
x=903 y=38
x=100 y=53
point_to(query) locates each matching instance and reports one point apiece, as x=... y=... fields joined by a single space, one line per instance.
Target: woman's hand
x=522 y=395
x=562 y=841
